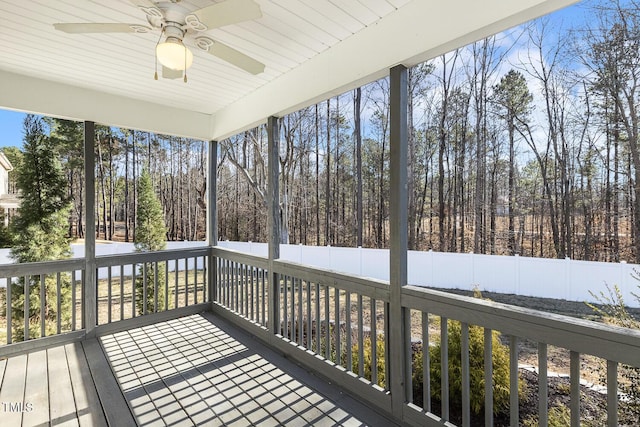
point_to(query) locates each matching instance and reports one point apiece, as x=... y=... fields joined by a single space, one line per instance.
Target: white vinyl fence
x=539 y=277
x=550 y=278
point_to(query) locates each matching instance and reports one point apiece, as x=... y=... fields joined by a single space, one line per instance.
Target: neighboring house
x=9 y=199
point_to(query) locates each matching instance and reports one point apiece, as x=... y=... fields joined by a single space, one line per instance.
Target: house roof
x=312 y=49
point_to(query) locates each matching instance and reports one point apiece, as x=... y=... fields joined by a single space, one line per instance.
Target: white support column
x=400 y=375
x=90 y=283
x=212 y=216
x=273 y=220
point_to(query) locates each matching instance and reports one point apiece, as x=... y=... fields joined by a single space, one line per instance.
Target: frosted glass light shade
x=172 y=53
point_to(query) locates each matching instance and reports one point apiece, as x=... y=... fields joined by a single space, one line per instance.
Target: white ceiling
x=312 y=49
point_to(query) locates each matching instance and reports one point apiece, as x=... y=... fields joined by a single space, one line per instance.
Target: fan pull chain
x=185 y=63
x=155 y=55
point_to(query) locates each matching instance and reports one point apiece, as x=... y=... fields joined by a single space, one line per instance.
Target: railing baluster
x=186 y=282
x=387 y=352
x=444 y=367
x=133 y=290
x=42 y=304
x=156 y=286
x=308 y=341
x=26 y=308
x=294 y=322
x=426 y=373
x=543 y=392
x=464 y=359
x=254 y=295
x=175 y=279
x=241 y=283
x=97 y=296
x=9 y=310
x=318 y=349
x=195 y=280
x=336 y=328
x=360 y=338
x=59 y=305
x=285 y=307
x=206 y=297
x=327 y=331
x=574 y=375
x=300 y=319
x=347 y=331
x=263 y=293
x=488 y=376
x=145 y=283
x=166 y=285
x=374 y=341
x=73 y=298
x=224 y=288
x=247 y=288
x=513 y=380
x=121 y=291
x=108 y=295
x=237 y=287
x=612 y=393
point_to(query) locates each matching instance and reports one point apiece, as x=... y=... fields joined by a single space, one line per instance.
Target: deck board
x=12 y=391
x=36 y=393
x=200 y=370
x=113 y=403
x=86 y=398
x=196 y=370
x=61 y=402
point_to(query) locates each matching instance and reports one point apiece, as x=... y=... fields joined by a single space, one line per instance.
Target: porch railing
x=337 y=319
x=143 y=283
x=330 y=315
x=334 y=323
x=40 y=300
x=127 y=287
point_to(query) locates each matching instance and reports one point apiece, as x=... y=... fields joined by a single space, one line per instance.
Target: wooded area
x=522 y=143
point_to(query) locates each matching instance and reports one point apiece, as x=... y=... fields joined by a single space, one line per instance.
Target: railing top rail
x=374 y=288
x=42 y=267
x=606 y=341
x=243 y=257
x=140 y=257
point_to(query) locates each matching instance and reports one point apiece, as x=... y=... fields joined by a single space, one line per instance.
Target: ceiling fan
x=177 y=23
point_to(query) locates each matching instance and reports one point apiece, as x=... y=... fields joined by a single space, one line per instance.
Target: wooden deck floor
x=196 y=370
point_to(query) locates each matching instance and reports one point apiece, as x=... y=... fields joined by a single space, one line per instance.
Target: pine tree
x=151 y=235
x=39 y=231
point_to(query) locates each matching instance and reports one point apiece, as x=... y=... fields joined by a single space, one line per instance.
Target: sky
x=11 y=128
x=11 y=121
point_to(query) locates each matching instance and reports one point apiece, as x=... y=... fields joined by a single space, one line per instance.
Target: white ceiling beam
x=29 y=94
x=416 y=32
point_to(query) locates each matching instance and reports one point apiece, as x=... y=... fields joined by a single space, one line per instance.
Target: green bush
x=476 y=370
x=368 y=360
x=558 y=416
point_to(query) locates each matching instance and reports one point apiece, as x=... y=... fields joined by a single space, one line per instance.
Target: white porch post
x=273 y=221
x=89 y=315
x=400 y=357
x=212 y=217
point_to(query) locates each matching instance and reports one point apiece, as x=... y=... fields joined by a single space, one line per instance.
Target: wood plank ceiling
x=290 y=34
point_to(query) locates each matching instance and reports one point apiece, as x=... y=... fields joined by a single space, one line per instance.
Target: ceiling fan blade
x=230 y=55
x=168 y=73
x=148 y=7
x=142 y=3
x=86 y=27
x=221 y=14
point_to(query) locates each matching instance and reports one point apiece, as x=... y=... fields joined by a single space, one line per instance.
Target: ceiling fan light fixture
x=174 y=55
